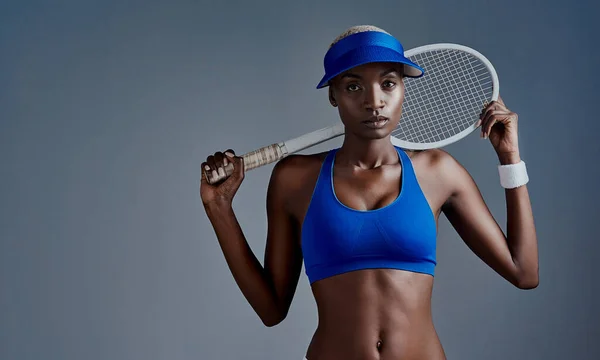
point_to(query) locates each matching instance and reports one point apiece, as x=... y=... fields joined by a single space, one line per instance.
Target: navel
x=379 y=345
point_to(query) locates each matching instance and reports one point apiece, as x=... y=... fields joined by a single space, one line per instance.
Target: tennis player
x=363 y=217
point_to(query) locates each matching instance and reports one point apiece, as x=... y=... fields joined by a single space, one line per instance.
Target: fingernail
x=225 y=161
x=221 y=172
x=206 y=167
x=228 y=154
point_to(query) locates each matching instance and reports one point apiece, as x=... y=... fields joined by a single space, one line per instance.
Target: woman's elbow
x=528 y=282
x=272 y=322
x=273 y=319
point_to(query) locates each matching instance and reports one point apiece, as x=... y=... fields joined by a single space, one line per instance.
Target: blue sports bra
x=338 y=239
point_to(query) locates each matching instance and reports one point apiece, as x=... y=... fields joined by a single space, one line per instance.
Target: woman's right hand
x=221 y=192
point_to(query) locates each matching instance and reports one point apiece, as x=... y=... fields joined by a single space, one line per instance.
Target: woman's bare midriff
x=374 y=314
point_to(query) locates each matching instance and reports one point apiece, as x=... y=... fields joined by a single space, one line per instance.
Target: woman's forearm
x=521 y=234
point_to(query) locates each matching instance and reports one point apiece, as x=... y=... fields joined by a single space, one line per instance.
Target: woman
x=363 y=218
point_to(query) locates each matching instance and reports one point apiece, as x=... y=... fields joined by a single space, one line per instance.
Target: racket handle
x=251 y=160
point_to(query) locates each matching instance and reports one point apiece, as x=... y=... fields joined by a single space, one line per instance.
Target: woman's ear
x=332 y=97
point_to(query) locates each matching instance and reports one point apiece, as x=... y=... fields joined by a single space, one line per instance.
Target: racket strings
x=436 y=101
x=453 y=79
x=447 y=100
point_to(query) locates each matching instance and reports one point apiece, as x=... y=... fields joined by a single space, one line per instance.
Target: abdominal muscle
x=381 y=314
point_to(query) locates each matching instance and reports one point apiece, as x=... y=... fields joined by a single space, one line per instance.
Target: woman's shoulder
x=297 y=170
x=436 y=163
x=293 y=180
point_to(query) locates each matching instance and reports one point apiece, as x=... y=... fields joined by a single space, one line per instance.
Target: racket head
x=443 y=106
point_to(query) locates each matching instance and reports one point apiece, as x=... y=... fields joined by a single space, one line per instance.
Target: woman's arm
x=514 y=256
x=268 y=289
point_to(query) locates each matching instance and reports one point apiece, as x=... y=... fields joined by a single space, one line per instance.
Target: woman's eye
x=352 y=87
x=389 y=84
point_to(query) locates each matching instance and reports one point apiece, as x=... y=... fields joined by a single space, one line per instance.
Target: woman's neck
x=366 y=153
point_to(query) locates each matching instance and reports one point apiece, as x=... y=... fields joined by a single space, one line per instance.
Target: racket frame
x=409 y=145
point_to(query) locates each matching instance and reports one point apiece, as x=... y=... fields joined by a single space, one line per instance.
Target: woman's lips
x=376 y=122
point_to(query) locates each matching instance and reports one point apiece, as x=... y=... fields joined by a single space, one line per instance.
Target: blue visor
x=363 y=48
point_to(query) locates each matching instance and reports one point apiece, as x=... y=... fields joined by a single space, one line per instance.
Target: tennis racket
x=439 y=108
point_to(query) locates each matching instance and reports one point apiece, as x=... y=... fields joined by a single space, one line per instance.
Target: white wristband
x=513 y=175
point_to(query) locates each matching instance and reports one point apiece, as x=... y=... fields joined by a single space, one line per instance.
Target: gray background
x=107 y=108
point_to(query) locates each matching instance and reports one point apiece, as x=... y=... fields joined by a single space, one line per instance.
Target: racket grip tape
x=251 y=160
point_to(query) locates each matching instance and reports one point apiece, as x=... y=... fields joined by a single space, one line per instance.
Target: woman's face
x=369 y=98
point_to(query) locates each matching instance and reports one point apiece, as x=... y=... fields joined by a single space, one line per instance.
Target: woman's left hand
x=499 y=124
